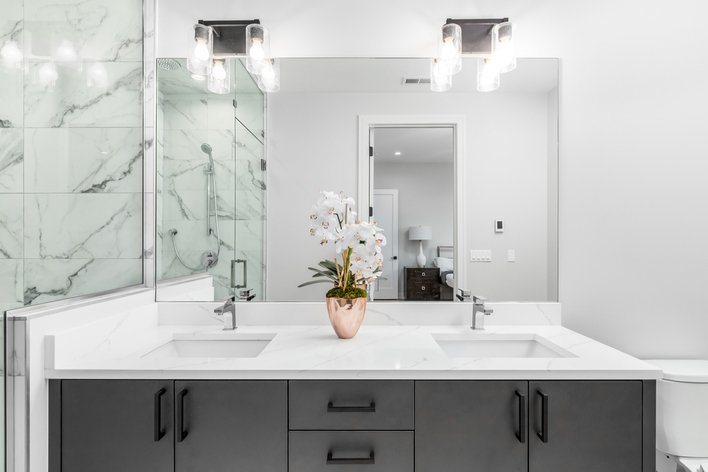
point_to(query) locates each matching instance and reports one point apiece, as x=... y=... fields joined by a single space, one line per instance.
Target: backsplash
x=71 y=150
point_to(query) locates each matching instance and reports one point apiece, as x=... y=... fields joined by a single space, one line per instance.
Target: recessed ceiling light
x=198 y=77
x=398 y=153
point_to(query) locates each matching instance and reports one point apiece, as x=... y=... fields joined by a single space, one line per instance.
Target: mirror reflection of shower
x=208 y=259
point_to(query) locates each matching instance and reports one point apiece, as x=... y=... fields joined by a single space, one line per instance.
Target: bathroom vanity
x=395 y=398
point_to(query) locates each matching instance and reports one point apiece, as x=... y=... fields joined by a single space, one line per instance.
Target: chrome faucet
x=230 y=308
x=477 y=307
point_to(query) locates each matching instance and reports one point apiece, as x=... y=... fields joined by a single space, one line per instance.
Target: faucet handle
x=464 y=295
x=478 y=299
x=246 y=294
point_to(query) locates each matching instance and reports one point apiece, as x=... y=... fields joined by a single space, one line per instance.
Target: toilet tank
x=682 y=407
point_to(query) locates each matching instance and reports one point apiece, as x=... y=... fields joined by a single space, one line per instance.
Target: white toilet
x=682 y=413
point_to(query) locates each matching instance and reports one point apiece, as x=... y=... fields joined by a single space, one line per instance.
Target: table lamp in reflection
x=420 y=233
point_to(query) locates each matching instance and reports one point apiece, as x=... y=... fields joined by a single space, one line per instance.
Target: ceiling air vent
x=415 y=80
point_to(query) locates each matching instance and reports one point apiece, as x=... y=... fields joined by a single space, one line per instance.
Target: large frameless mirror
x=463 y=183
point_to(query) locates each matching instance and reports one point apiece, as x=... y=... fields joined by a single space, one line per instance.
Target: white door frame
x=392 y=238
x=457 y=123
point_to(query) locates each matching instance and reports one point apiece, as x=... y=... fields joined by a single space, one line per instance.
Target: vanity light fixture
x=201 y=43
x=213 y=42
x=48 y=74
x=257 y=48
x=491 y=40
x=397 y=153
x=450 y=49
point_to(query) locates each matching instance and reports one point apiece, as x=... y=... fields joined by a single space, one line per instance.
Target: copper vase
x=346 y=315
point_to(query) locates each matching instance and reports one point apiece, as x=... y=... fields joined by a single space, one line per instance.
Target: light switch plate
x=481 y=255
x=511 y=256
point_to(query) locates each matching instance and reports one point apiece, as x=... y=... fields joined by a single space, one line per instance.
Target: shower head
x=206 y=149
x=168 y=64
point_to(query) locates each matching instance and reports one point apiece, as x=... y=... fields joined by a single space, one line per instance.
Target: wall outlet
x=510 y=256
x=481 y=255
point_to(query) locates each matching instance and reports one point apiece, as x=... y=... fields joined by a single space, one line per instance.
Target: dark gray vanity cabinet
x=112 y=426
x=231 y=425
x=168 y=426
x=535 y=426
x=586 y=426
x=471 y=426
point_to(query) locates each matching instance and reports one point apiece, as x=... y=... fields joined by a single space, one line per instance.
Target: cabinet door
x=116 y=426
x=470 y=426
x=231 y=425
x=590 y=426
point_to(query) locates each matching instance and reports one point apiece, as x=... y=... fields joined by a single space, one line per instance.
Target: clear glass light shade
x=269 y=80
x=439 y=82
x=487 y=75
x=11 y=54
x=257 y=48
x=450 y=49
x=504 y=46
x=199 y=49
x=219 y=81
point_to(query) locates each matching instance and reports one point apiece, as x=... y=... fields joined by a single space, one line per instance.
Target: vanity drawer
x=353 y=451
x=351 y=405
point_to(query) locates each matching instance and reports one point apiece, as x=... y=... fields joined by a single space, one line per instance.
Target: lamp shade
x=420 y=233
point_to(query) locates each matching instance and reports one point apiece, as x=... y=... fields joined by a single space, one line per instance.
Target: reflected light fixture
x=220 y=79
x=257 y=48
x=439 y=82
x=98 y=76
x=48 y=74
x=269 y=79
x=11 y=54
x=487 y=75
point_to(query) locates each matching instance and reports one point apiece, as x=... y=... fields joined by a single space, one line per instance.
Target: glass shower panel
x=250 y=185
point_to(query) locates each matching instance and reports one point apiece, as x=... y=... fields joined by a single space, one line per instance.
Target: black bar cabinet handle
x=543 y=434
x=351 y=461
x=521 y=435
x=159 y=432
x=181 y=433
x=351 y=409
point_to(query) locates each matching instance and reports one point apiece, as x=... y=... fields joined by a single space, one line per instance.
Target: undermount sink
x=234 y=346
x=499 y=346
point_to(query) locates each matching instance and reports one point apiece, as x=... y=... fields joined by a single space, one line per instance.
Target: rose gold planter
x=346 y=315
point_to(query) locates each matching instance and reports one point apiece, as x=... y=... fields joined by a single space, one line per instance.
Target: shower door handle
x=233 y=273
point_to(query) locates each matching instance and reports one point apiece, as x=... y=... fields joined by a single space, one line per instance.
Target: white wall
x=633 y=200
x=425 y=198
x=313 y=140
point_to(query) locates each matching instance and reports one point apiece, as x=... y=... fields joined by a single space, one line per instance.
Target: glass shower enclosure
x=210 y=182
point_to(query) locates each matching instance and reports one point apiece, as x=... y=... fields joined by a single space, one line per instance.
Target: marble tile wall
x=189 y=116
x=71 y=148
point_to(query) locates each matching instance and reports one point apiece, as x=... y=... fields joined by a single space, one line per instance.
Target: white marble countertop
x=314 y=352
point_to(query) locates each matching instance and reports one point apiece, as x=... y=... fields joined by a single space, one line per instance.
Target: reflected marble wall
x=188 y=115
x=71 y=149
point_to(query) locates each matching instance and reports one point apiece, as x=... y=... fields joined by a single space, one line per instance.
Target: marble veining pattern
x=72 y=103
x=11 y=226
x=47 y=280
x=97 y=29
x=11 y=160
x=83 y=160
x=75 y=226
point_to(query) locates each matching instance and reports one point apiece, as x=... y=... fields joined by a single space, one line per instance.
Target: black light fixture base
x=229 y=36
x=476 y=34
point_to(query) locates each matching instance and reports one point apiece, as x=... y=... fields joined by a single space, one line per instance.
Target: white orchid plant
x=333 y=220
